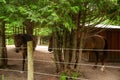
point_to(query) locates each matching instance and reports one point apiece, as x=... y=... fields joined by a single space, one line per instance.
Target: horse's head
x=18 y=42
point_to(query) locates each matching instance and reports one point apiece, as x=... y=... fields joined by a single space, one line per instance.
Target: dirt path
x=42 y=68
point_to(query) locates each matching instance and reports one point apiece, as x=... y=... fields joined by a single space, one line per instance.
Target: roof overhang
x=107 y=26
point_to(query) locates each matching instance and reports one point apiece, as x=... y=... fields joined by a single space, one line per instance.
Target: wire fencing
x=50 y=61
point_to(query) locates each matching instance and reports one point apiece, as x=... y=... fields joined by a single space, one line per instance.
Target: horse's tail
x=106 y=44
x=105 y=47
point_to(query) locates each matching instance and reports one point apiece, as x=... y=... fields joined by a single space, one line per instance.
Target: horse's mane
x=27 y=37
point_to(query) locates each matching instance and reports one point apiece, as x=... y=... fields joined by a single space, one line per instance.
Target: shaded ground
x=45 y=70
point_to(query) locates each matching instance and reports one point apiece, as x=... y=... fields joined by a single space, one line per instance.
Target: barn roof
x=107 y=26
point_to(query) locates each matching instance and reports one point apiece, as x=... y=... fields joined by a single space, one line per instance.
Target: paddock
x=44 y=68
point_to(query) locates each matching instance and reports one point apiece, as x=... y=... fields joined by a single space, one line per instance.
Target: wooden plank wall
x=113 y=40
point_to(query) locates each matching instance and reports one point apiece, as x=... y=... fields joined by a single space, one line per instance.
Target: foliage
x=74 y=75
x=63 y=76
x=3 y=77
x=52 y=13
x=46 y=31
x=115 y=19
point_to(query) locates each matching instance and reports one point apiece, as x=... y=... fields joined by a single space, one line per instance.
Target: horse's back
x=94 y=42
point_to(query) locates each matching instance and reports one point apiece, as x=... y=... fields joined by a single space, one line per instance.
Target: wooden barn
x=112 y=34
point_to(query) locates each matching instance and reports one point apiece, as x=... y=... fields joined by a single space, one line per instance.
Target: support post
x=30 y=60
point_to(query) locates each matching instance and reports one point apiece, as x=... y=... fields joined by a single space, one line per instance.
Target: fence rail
x=46 y=61
x=111 y=50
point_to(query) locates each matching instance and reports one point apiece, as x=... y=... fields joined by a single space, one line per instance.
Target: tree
x=16 y=13
x=3 y=51
x=71 y=21
x=115 y=18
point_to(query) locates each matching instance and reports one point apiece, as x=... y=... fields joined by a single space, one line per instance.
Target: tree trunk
x=74 y=51
x=3 y=50
x=39 y=40
x=80 y=47
x=67 y=51
x=55 y=52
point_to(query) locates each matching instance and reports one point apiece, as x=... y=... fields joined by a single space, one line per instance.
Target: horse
x=97 y=44
x=20 y=41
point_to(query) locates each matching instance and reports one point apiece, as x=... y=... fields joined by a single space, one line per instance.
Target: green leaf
x=45 y=31
x=22 y=10
x=75 y=9
x=66 y=24
x=3 y=1
x=10 y=8
x=74 y=76
x=55 y=16
x=33 y=6
x=63 y=76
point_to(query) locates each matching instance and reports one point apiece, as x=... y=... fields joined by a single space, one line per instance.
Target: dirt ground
x=44 y=68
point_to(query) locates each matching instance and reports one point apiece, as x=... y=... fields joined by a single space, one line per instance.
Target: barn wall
x=113 y=39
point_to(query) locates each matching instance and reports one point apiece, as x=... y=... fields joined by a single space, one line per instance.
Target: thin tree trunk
x=79 y=53
x=74 y=47
x=29 y=26
x=67 y=51
x=59 y=48
x=55 y=52
x=39 y=40
x=3 y=53
x=0 y=48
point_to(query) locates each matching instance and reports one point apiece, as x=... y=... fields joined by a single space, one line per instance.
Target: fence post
x=30 y=60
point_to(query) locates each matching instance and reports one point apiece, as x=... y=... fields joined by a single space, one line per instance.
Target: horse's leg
x=24 y=57
x=104 y=55
x=103 y=58
x=23 y=61
x=97 y=58
x=102 y=62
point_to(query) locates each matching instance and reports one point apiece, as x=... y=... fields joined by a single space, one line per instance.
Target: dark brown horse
x=96 y=44
x=20 y=41
x=93 y=43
